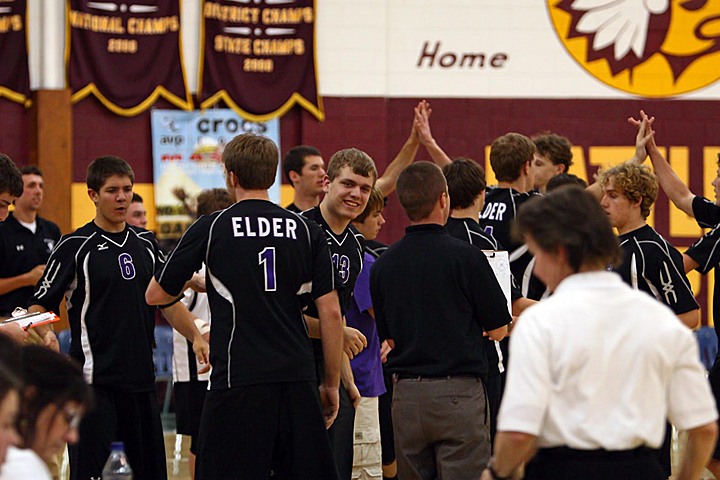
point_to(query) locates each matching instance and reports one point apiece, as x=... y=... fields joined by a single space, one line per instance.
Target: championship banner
x=14 y=73
x=187 y=158
x=259 y=58
x=126 y=54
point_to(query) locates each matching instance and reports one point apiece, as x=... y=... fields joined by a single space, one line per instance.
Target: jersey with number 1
x=263 y=263
x=104 y=276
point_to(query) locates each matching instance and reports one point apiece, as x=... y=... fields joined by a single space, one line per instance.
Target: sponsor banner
x=187 y=158
x=259 y=58
x=126 y=54
x=14 y=74
x=521 y=49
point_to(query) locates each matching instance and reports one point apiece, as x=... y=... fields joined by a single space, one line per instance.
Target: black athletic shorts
x=259 y=430
x=133 y=418
x=189 y=399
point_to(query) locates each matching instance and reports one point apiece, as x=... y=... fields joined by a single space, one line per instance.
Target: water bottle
x=117 y=466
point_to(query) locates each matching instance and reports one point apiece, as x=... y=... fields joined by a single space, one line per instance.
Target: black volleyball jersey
x=375 y=248
x=501 y=208
x=293 y=208
x=654 y=266
x=346 y=251
x=21 y=250
x=706 y=250
x=470 y=231
x=103 y=277
x=261 y=261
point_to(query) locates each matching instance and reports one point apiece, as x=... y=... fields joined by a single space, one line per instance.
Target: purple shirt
x=366 y=366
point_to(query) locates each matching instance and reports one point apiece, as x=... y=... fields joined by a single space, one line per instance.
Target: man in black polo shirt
x=103 y=269
x=351 y=175
x=26 y=240
x=262 y=412
x=439 y=411
x=11 y=187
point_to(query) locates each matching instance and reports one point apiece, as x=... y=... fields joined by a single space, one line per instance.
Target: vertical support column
x=51 y=150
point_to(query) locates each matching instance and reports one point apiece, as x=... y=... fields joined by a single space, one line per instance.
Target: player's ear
x=294 y=176
x=233 y=180
x=326 y=184
x=93 y=195
x=444 y=200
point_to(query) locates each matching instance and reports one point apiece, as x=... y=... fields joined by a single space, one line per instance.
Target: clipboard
x=499 y=260
x=31 y=320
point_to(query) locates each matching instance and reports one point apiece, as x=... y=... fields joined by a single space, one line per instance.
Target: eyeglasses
x=72 y=418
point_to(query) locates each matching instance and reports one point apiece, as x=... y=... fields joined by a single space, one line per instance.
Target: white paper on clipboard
x=500 y=263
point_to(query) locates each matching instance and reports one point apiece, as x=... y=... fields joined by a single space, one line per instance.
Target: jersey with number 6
x=104 y=276
x=261 y=261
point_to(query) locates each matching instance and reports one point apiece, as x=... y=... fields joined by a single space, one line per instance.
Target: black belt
x=566 y=453
x=411 y=376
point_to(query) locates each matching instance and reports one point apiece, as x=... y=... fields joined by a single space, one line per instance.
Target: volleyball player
x=262 y=413
x=103 y=269
x=351 y=175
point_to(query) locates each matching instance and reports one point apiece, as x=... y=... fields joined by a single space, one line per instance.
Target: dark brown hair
x=465 y=181
x=418 y=187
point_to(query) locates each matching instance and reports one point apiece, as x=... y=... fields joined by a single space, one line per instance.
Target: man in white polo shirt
x=596 y=368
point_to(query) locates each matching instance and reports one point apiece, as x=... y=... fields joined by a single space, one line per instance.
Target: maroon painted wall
x=379 y=126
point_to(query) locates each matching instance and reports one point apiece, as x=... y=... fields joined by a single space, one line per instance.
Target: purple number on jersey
x=127 y=269
x=266 y=258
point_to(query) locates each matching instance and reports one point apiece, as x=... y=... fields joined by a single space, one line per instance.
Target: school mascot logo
x=651 y=48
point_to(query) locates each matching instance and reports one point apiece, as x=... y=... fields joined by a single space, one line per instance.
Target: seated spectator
x=55 y=397
x=10 y=387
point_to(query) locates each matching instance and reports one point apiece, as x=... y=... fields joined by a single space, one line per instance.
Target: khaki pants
x=367 y=458
x=440 y=428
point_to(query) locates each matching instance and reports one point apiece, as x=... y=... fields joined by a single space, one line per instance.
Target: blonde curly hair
x=635 y=182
